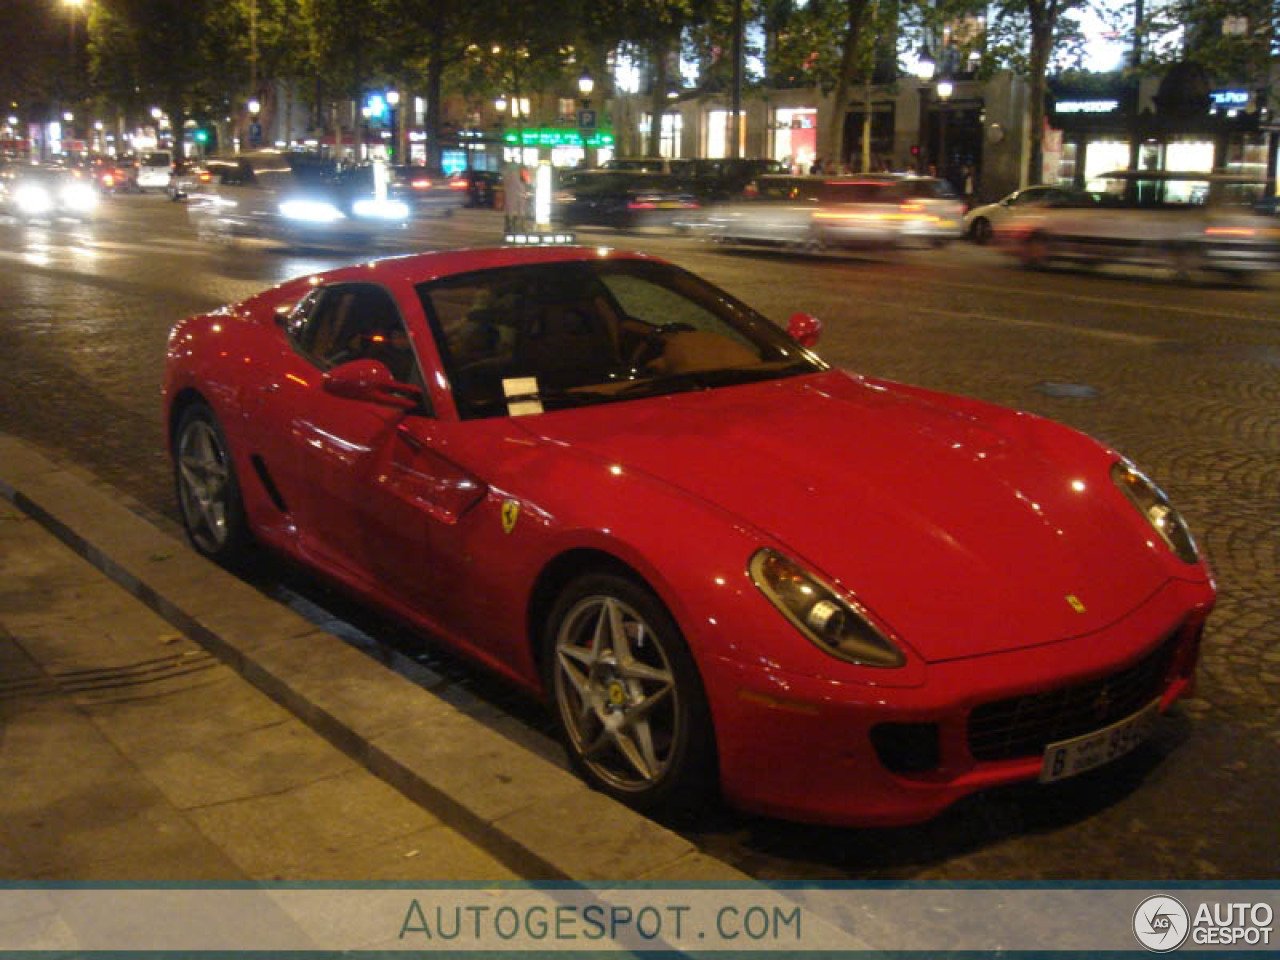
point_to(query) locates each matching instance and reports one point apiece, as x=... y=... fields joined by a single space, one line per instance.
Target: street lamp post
x=945 y=89
x=587 y=125
x=925 y=67
x=393 y=112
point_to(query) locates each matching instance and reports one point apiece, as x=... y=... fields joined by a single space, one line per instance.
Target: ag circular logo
x=1161 y=923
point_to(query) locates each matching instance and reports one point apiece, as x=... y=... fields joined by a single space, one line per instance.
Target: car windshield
x=581 y=332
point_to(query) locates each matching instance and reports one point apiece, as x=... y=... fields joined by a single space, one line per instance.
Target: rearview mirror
x=804 y=329
x=371 y=381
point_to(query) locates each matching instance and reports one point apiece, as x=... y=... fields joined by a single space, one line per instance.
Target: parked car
x=1186 y=222
x=34 y=192
x=622 y=199
x=816 y=212
x=722 y=561
x=293 y=198
x=715 y=180
x=154 y=169
x=981 y=221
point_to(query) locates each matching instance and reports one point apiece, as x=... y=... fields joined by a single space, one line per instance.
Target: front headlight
x=836 y=625
x=1155 y=507
x=79 y=197
x=33 y=200
x=311 y=211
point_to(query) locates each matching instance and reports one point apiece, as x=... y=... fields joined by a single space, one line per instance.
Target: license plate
x=1066 y=758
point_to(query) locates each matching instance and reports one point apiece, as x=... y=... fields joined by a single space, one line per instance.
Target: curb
x=540 y=820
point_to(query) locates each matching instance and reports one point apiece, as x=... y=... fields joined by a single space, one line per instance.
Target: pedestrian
x=968 y=185
x=816 y=166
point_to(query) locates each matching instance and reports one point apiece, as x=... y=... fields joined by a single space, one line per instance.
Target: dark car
x=425 y=193
x=479 y=187
x=622 y=199
x=293 y=198
x=716 y=179
x=32 y=192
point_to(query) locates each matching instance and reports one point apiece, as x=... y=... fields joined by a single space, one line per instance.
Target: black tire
x=980 y=231
x=660 y=755
x=207 y=488
x=1035 y=251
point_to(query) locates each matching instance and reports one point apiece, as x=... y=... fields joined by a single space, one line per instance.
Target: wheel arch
x=186 y=398
x=557 y=574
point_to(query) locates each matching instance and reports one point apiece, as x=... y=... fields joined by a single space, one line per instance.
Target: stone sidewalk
x=127 y=752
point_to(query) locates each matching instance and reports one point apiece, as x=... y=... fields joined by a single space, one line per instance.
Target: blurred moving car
x=293 y=198
x=184 y=178
x=31 y=192
x=622 y=199
x=1186 y=222
x=728 y=567
x=816 y=212
x=480 y=187
x=154 y=169
x=426 y=194
x=980 y=222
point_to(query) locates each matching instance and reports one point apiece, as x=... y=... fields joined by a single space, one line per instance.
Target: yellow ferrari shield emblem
x=510 y=514
x=1076 y=603
x=617 y=696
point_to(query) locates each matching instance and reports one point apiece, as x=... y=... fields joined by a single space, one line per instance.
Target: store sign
x=1229 y=98
x=1087 y=106
x=556 y=137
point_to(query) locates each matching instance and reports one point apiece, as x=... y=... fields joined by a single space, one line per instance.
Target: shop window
x=719 y=132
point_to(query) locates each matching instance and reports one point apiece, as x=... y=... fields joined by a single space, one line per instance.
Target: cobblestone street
x=1184 y=380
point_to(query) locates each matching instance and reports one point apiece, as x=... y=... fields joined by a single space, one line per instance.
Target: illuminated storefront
x=563 y=146
x=795 y=136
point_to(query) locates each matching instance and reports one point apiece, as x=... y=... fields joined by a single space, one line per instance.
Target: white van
x=154 y=169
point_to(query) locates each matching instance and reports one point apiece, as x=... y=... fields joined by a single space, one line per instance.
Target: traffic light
x=915 y=149
x=202 y=136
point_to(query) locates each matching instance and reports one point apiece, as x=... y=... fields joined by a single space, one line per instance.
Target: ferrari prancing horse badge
x=510 y=514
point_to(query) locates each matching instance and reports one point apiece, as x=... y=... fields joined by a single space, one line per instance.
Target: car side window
x=353 y=321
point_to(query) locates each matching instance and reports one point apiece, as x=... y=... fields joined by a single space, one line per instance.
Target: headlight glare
x=311 y=211
x=1152 y=503
x=834 y=624
x=382 y=209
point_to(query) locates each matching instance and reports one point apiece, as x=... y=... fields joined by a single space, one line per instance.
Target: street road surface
x=1184 y=380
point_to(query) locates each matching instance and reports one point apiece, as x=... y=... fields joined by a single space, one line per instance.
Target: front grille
x=1024 y=726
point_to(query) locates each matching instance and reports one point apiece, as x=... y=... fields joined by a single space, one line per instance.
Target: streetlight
x=945 y=89
x=586 y=119
x=500 y=104
x=925 y=67
x=393 y=102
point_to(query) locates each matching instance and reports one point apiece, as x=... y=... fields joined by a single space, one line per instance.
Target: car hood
x=963 y=537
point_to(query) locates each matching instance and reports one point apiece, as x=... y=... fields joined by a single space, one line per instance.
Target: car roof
x=1179 y=175
x=425 y=267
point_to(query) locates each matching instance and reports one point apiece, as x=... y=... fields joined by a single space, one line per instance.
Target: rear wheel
x=1035 y=251
x=208 y=490
x=980 y=231
x=628 y=697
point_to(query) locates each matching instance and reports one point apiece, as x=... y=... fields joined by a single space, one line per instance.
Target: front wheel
x=208 y=491
x=629 y=700
x=980 y=231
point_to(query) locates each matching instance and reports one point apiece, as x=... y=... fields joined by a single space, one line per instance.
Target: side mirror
x=371 y=381
x=804 y=329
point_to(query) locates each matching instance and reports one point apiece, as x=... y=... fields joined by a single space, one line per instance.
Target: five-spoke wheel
x=208 y=492
x=628 y=696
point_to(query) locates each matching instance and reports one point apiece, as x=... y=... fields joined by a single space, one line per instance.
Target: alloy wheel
x=204 y=485
x=617 y=693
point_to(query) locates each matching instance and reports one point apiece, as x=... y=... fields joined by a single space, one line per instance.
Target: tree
x=1028 y=37
x=836 y=45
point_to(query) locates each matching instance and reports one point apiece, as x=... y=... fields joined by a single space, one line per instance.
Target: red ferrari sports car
x=726 y=564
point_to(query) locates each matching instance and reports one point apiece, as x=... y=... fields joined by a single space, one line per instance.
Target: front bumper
x=805 y=748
